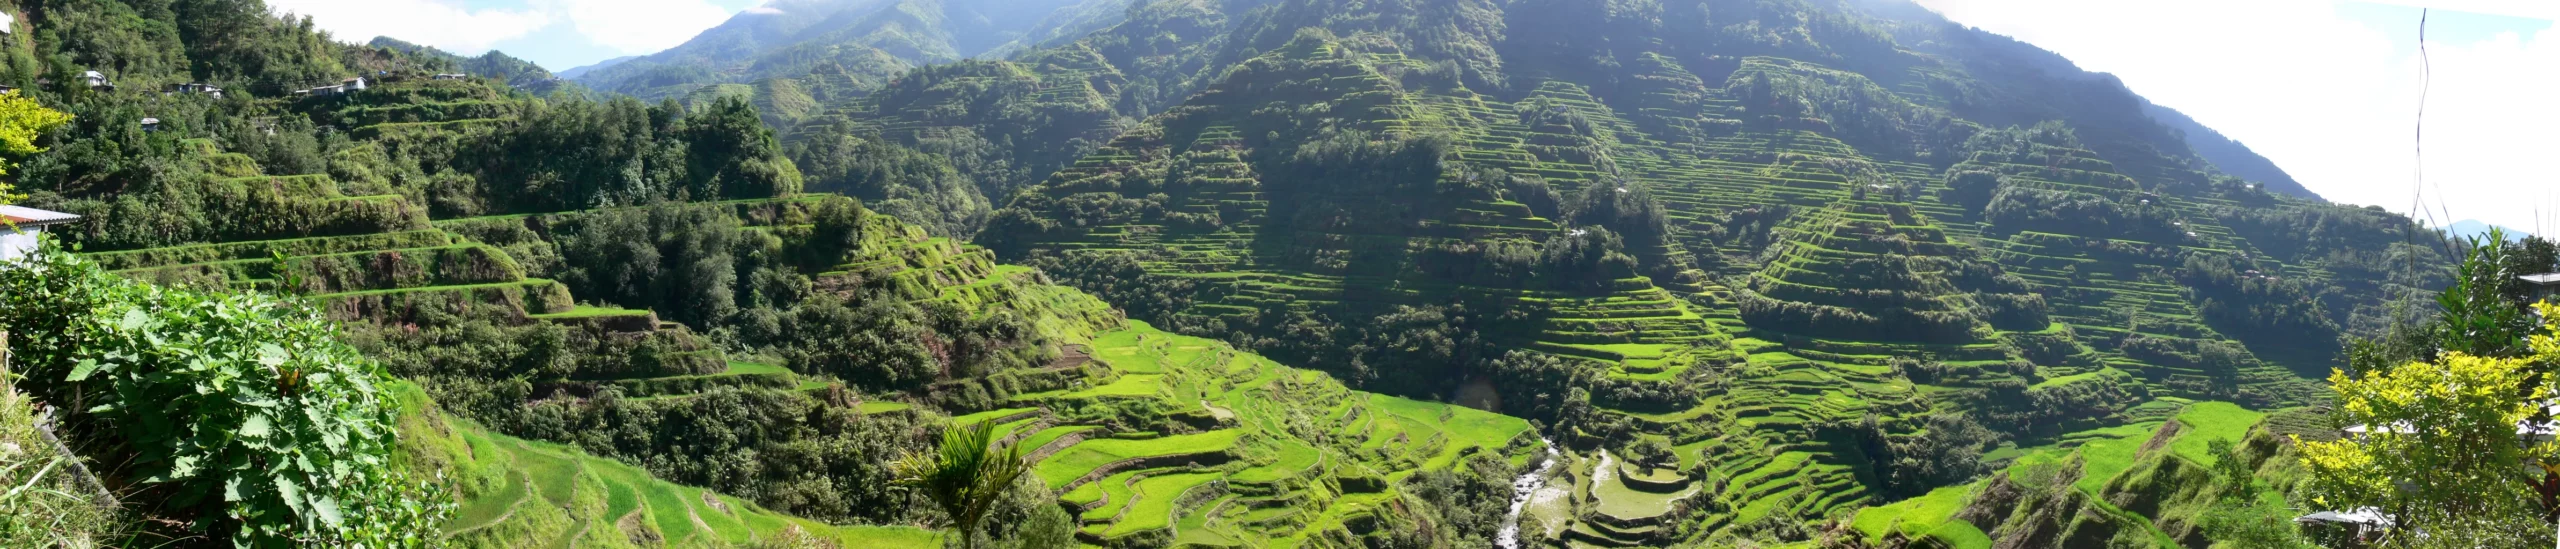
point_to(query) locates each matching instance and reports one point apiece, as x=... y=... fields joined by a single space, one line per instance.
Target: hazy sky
x=2329 y=89
x=557 y=34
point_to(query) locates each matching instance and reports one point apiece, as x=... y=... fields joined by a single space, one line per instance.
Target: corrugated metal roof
x=22 y=215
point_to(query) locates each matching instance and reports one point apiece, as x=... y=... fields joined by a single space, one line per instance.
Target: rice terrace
x=1375 y=274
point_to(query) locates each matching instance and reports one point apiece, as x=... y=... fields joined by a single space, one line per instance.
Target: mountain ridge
x=867 y=40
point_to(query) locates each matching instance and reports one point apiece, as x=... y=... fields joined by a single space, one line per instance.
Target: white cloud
x=639 y=26
x=2329 y=99
x=431 y=22
x=766 y=9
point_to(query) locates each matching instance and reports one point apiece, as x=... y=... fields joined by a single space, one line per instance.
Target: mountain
x=859 y=42
x=1702 y=226
x=574 y=73
x=2231 y=156
x=2474 y=228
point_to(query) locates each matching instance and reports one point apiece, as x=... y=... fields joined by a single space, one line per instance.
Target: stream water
x=1522 y=489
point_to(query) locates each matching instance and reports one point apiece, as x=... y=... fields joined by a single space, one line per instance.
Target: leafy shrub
x=241 y=412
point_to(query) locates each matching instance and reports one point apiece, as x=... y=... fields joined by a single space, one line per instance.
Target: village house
x=199 y=88
x=2546 y=286
x=22 y=227
x=347 y=86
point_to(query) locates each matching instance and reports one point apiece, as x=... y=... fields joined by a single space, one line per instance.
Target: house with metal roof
x=2546 y=286
x=22 y=227
x=2351 y=528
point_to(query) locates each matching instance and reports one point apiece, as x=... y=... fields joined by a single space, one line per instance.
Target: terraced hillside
x=1856 y=235
x=539 y=494
x=1244 y=453
x=1012 y=121
x=1197 y=208
x=1758 y=268
x=471 y=296
x=393 y=257
x=2144 y=482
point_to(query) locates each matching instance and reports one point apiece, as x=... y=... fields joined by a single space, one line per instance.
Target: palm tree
x=966 y=476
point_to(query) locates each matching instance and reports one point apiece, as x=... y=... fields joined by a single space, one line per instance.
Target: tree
x=21 y=120
x=2440 y=452
x=2479 y=319
x=967 y=476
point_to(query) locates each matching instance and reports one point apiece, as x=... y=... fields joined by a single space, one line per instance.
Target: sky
x=557 y=34
x=2330 y=90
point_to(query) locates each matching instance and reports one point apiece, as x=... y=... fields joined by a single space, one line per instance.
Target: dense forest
x=1222 y=273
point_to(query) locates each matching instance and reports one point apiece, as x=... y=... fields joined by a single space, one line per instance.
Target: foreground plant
x=239 y=413
x=966 y=476
x=2440 y=448
x=22 y=119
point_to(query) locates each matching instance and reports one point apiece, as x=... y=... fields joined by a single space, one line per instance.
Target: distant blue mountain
x=580 y=71
x=2472 y=227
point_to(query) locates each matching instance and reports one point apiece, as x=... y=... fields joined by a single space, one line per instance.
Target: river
x=1522 y=489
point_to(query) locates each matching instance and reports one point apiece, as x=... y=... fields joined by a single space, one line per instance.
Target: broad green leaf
x=271 y=355
x=327 y=508
x=291 y=491
x=183 y=467
x=256 y=427
x=82 y=371
x=133 y=320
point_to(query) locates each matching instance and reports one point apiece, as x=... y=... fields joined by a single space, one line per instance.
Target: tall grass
x=41 y=505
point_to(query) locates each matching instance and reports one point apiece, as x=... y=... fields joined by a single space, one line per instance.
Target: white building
x=95 y=79
x=2362 y=524
x=2546 y=286
x=348 y=86
x=24 y=227
x=197 y=88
